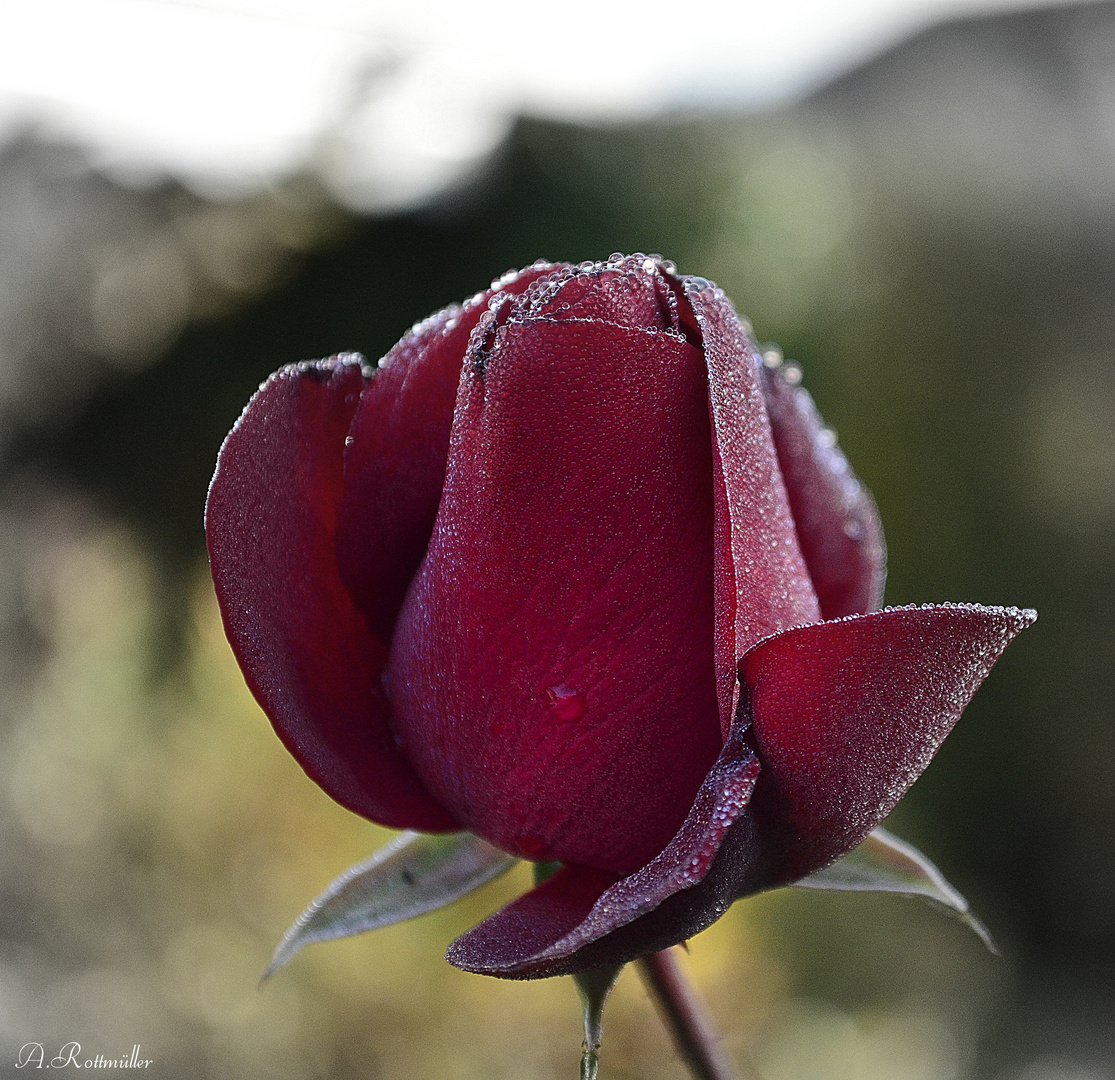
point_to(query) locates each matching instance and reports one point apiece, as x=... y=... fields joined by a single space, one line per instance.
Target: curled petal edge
x=847 y=714
x=551 y=930
x=738 y=839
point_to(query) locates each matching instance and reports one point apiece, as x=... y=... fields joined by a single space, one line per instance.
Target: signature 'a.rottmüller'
x=575 y=570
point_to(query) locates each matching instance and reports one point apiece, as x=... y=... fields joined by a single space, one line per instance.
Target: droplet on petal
x=565 y=704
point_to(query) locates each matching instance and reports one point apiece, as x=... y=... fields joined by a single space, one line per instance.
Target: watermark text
x=34 y=1055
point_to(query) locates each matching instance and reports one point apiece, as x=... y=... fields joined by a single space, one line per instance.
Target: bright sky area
x=392 y=100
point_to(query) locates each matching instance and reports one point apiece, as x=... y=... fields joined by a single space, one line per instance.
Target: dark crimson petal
x=395 y=456
x=551 y=671
x=859 y=706
x=762 y=585
x=525 y=940
x=838 y=526
x=846 y=715
x=305 y=651
x=634 y=292
x=507 y=942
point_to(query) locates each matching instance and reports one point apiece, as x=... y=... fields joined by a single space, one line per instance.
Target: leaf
x=414 y=874
x=884 y=863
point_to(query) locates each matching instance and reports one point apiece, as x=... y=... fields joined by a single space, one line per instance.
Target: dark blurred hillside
x=933 y=237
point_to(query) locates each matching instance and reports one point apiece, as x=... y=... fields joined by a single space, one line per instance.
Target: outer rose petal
x=846 y=715
x=513 y=942
x=837 y=524
x=550 y=672
x=305 y=651
x=395 y=455
x=577 y=919
x=762 y=585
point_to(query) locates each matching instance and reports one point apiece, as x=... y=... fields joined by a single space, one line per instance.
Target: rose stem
x=595 y=985
x=686 y=1016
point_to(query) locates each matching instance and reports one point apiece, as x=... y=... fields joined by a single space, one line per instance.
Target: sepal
x=885 y=863
x=415 y=874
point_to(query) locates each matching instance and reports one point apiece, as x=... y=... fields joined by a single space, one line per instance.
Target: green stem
x=595 y=985
x=686 y=1016
x=590 y=1061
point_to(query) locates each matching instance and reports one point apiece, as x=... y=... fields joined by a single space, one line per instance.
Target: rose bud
x=575 y=570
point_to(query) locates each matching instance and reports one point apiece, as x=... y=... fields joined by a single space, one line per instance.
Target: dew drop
x=772 y=358
x=565 y=704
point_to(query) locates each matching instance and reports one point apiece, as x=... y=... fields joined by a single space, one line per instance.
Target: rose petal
x=762 y=585
x=395 y=456
x=551 y=672
x=847 y=714
x=505 y=943
x=633 y=292
x=838 y=526
x=868 y=698
x=618 y=923
x=305 y=651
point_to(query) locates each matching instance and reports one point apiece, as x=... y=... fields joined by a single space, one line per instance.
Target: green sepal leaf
x=884 y=863
x=416 y=873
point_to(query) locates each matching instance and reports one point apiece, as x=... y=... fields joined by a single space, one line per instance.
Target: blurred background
x=916 y=201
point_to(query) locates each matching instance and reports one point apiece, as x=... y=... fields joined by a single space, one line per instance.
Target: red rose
x=575 y=570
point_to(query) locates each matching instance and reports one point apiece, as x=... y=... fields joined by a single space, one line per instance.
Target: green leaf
x=884 y=863
x=414 y=874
